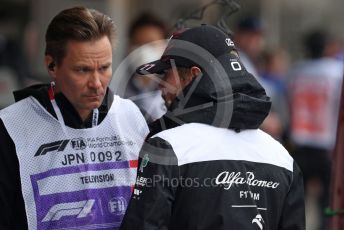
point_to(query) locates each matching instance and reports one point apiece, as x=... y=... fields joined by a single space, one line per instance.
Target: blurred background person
x=250 y=40
x=274 y=68
x=147 y=41
x=273 y=71
x=314 y=90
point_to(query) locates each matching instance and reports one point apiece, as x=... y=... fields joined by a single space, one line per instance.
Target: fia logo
x=117 y=205
x=144 y=162
x=259 y=221
x=229 y=42
x=78 y=143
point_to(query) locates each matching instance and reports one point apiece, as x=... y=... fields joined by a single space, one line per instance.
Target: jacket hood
x=226 y=96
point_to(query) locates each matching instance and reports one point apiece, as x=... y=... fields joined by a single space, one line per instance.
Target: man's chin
x=93 y=105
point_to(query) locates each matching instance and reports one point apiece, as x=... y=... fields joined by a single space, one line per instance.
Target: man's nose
x=94 y=80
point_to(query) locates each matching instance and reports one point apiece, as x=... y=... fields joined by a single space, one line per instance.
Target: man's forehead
x=98 y=49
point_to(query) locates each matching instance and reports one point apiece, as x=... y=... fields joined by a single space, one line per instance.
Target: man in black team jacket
x=68 y=150
x=206 y=164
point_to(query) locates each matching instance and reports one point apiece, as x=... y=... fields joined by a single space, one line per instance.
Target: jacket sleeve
x=293 y=214
x=12 y=210
x=156 y=183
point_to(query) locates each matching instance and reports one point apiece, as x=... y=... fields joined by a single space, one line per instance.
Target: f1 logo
x=80 y=209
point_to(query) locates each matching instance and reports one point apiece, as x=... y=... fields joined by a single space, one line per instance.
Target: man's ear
x=50 y=64
x=195 y=71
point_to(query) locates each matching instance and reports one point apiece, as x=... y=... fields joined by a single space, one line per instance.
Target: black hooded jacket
x=12 y=211
x=207 y=166
x=234 y=101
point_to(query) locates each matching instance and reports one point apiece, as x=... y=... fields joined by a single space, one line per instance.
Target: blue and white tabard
x=75 y=178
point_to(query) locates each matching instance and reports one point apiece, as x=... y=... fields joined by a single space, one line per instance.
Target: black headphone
x=51 y=66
